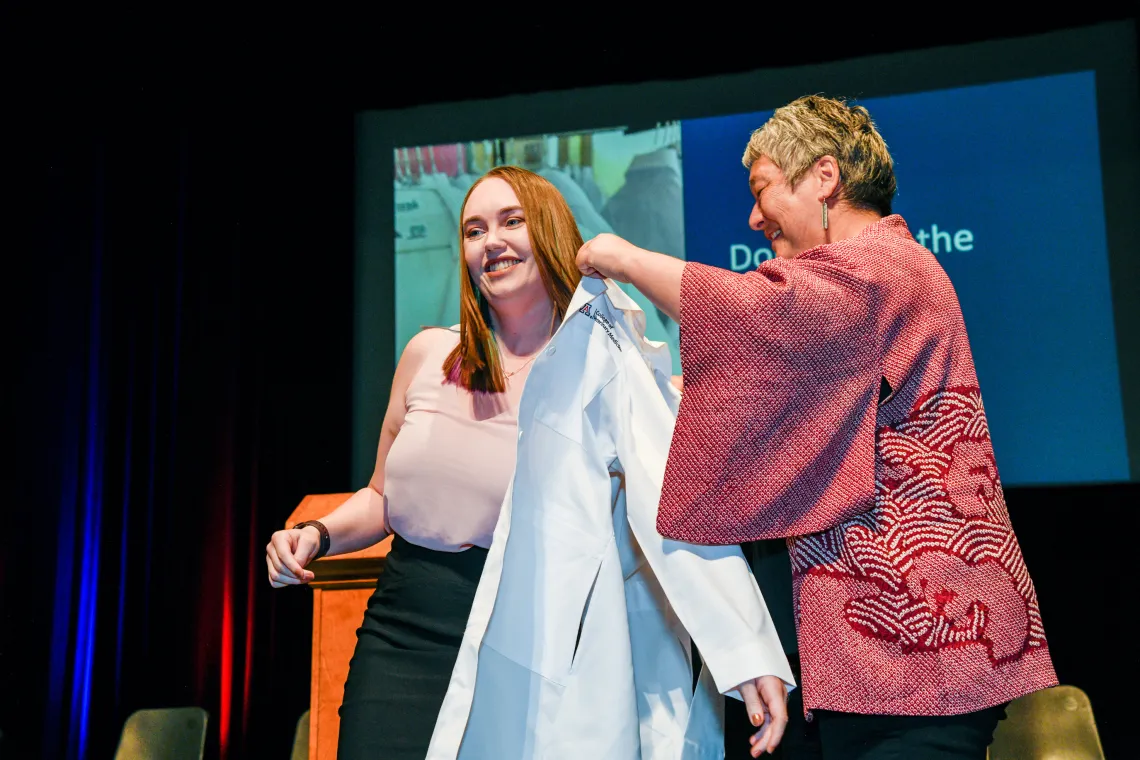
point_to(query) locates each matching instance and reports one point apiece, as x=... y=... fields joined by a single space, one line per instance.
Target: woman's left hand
x=766 y=700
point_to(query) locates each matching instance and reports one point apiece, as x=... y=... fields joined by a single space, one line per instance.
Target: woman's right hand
x=287 y=553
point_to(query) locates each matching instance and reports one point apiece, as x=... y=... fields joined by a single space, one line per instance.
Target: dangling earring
x=824 y=214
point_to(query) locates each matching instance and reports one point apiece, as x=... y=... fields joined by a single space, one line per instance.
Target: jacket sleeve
x=775 y=435
x=710 y=588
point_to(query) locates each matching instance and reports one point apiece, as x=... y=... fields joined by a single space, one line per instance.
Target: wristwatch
x=325 y=540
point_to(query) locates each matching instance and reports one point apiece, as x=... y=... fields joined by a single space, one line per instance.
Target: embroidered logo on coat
x=596 y=314
x=938 y=546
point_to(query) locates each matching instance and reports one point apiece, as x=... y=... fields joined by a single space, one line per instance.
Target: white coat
x=577 y=645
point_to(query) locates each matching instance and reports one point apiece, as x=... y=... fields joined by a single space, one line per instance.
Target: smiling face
x=497 y=246
x=791 y=218
x=520 y=243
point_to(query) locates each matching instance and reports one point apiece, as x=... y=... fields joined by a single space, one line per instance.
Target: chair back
x=301 y=738
x=1054 y=723
x=172 y=733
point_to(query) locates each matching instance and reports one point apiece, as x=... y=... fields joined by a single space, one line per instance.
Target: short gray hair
x=809 y=128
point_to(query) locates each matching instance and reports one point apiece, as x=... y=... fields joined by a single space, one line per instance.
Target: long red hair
x=554 y=239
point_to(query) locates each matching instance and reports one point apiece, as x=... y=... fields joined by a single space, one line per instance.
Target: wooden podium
x=340 y=595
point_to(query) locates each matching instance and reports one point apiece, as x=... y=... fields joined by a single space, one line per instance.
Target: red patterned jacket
x=910 y=590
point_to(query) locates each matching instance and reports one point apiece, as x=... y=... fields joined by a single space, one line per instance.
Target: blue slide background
x=1017 y=164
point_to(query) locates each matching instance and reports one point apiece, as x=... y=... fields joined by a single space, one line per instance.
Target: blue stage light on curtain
x=88 y=580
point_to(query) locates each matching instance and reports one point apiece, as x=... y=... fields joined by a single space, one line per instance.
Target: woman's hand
x=656 y=275
x=606 y=255
x=766 y=700
x=287 y=553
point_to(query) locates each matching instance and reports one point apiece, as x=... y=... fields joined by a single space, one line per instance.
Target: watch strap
x=326 y=541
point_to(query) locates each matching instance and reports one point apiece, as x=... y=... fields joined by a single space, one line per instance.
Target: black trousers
x=849 y=736
x=405 y=651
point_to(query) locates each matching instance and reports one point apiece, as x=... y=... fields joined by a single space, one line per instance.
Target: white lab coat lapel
x=509 y=711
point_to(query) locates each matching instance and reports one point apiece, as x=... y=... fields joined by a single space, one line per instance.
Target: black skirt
x=405 y=651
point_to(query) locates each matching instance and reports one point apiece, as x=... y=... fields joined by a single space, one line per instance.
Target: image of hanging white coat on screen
x=578 y=642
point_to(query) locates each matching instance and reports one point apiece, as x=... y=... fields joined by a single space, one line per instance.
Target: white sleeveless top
x=449 y=467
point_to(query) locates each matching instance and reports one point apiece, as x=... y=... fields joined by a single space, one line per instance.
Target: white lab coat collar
x=590 y=288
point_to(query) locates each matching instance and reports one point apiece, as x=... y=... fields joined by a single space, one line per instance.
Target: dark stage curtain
x=182 y=323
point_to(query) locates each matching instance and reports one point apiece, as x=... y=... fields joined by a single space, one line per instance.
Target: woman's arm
x=362 y=519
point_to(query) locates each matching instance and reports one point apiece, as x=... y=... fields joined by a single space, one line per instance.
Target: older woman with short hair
x=831 y=400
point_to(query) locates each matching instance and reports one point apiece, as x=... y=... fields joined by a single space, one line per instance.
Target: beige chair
x=174 y=733
x=1051 y=724
x=301 y=738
